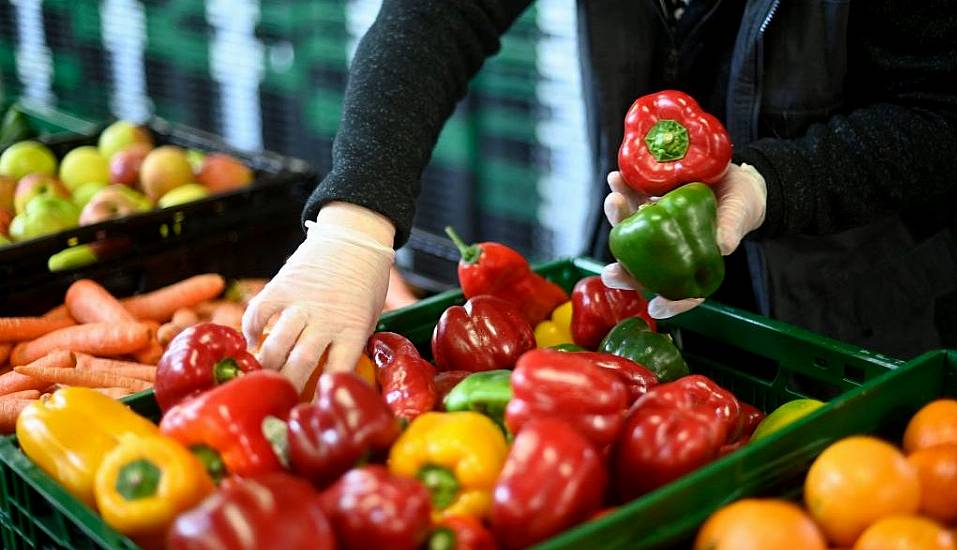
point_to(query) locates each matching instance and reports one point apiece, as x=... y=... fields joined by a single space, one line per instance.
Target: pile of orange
x=861 y=493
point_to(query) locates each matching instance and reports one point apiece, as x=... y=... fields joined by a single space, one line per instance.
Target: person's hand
x=329 y=294
x=742 y=201
x=399 y=294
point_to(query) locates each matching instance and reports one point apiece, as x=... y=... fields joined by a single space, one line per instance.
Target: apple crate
x=245 y=232
x=764 y=362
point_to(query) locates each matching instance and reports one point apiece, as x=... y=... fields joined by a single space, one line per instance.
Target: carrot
x=4 y=352
x=18 y=329
x=25 y=394
x=13 y=382
x=182 y=320
x=205 y=309
x=151 y=353
x=59 y=312
x=160 y=305
x=122 y=368
x=115 y=393
x=88 y=302
x=10 y=410
x=228 y=314
x=86 y=378
x=103 y=339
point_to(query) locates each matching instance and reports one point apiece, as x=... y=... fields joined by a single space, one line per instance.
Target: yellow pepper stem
x=138 y=479
x=211 y=461
x=441 y=484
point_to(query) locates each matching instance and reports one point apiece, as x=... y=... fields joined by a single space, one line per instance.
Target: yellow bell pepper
x=145 y=482
x=365 y=370
x=457 y=456
x=557 y=330
x=68 y=435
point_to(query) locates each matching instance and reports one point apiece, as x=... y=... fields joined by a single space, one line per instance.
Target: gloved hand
x=742 y=201
x=329 y=293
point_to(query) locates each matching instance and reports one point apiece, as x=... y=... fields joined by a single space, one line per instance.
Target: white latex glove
x=330 y=293
x=742 y=201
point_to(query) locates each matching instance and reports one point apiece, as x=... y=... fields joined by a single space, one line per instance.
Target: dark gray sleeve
x=408 y=73
x=895 y=151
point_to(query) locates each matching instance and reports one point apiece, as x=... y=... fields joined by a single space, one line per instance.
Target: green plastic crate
x=763 y=362
x=50 y=122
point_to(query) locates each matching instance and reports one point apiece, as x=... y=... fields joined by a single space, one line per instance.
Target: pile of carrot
x=97 y=341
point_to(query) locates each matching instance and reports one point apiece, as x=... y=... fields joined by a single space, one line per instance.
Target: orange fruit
x=934 y=424
x=856 y=482
x=905 y=533
x=759 y=524
x=937 y=470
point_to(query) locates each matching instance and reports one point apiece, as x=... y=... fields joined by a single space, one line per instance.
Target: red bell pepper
x=461 y=533
x=750 y=418
x=445 y=381
x=596 y=309
x=674 y=429
x=567 y=386
x=198 y=359
x=371 y=508
x=553 y=479
x=669 y=141
x=241 y=423
x=347 y=421
x=487 y=333
x=636 y=378
x=274 y=510
x=407 y=380
x=495 y=269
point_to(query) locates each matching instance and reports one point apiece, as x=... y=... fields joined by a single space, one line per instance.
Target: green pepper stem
x=667 y=140
x=442 y=539
x=211 y=460
x=441 y=483
x=225 y=370
x=470 y=253
x=138 y=479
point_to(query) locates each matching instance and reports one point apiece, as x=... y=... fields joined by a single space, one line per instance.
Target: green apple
x=183 y=194
x=83 y=165
x=85 y=192
x=784 y=415
x=35 y=185
x=44 y=215
x=72 y=258
x=195 y=158
x=120 y=135
x=27 y=157
x=112 y=202
x=4 y=241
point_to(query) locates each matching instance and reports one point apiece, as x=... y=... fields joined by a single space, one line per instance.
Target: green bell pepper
x=568 y=347
x=486 y=392
x=633 y=339
x=670 y=246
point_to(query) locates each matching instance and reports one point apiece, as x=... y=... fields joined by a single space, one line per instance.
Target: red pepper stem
x=667 y=140
x=442 y=539
x=225 y=370
x=441 y=483
x=470 y=253
x=138 y=479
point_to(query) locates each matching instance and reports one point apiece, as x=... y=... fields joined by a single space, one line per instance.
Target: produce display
x=863 y=493
x=122 y=176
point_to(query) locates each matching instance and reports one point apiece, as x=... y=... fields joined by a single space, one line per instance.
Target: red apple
x=221 y=172
x=8 y=186
x=164 y=169
x=125 y=164
x=34 y=185
x=110 y=203
x=6 y=216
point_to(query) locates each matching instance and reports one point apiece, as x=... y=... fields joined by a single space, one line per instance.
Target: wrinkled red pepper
x=240 y=423
x=461 y=533
x=636 y=378
x=567 y=386
x=553 y=479
x=495 y=269
x=370 y=508
x=346 y=422
x=674 y=429
x=445 y=381
x=750 y=418
x=596 y=309
x=407 y=380
x=274 y=510
x=487 y=333
x=669 y=141
x=198 y=359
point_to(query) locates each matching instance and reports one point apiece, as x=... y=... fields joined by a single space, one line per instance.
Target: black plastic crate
x=247 y=232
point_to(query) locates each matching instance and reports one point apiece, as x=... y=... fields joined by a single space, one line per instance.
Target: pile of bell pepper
x=533 y=415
